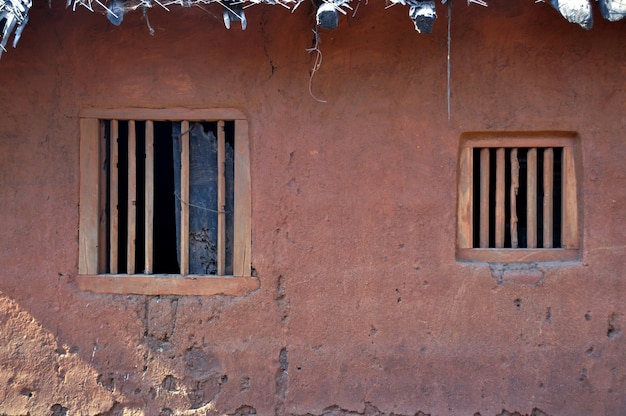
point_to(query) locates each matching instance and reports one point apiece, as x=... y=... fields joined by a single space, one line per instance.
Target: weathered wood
x=114 y=197
x=168 y=285
x=548 y=198
x=164 y=114
x=500 y=191
x=184 y=197
x=102 y=203
x=89 y=195
x=571 y=220
x=484 y=198
x=202 y=202
x=531 y=198
x=132 y=198
x=149 y=199
x=518 y=255
x=519 y=139
x=465 y=199
x=513 y=195
x=241 y=216
x=569 y=227
x=243 y=202
x=221 y=199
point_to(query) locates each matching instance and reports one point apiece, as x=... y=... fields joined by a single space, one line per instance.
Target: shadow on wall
x=61 y=372
x=42 y=377
x=66 y=379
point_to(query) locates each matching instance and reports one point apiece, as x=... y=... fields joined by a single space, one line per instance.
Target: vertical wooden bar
x=184 y=197
x=569 y=216
x=132 y=198
x=102 y=208
x=465 y=199
x=548 y=197
x=500 y=191
x=89 y=177
x=484 y=198
x=113 y=198
x=149 y=198
x=221 y=198
x=243 y=202
x=531 y=198
x=513 y=196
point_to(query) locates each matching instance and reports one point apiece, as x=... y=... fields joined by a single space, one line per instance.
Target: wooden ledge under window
x=153 y=285
x=517 y=255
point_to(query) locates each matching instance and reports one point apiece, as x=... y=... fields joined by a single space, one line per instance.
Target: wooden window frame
x=571 y=214
x=92 y=224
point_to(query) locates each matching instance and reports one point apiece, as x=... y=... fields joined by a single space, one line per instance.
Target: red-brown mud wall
x=362 y=306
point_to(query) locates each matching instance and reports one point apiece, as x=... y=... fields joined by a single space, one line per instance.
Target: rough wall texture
x=362 y=307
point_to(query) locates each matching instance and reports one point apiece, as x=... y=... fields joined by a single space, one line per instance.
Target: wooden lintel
x=189 y=285
x=519 y=138
x=517 y=255
x=164 y=114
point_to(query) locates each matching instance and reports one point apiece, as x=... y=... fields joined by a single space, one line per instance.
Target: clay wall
x=362 y=308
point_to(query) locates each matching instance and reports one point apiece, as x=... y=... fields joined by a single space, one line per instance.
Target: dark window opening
x=167 y=204
x=165 y=237
x=516 y=206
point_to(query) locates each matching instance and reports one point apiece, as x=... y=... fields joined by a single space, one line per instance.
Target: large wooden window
x=518 y=197
x=165 y=202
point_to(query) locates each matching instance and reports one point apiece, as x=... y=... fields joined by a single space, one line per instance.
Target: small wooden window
x=165 y=202
x=518 y=198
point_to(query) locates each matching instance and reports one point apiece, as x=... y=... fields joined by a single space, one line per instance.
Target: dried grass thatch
x=14 y=13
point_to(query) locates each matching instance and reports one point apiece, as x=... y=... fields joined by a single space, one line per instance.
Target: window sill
x=517 y=255
x=191 y=285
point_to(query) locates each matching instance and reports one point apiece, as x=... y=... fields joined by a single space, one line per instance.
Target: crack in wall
x=282 y=381
x=281 y=300
x=244 y=410
x=266 y=41
x=613 y=330
x=372 y=410
x=534 y=412
x=522 y=273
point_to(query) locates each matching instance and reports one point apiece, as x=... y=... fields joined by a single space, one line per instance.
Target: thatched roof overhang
x=14 y=13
